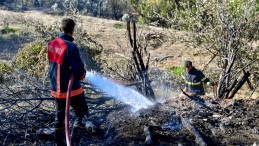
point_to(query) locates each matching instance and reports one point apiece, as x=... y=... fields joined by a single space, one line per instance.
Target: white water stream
x=125 y=94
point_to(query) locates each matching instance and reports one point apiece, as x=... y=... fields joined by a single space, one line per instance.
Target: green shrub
x=33 y=59
x=118 y=26
x=165 y=13
x=177 y=71
x=5 y=68
x=8 y=30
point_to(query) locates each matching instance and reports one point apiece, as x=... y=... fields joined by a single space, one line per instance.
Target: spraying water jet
x=125 y=94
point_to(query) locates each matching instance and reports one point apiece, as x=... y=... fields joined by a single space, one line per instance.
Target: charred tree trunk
x=250 y=85
x=248 y=82
x=240 y=84
x=228 y=90
x=138 y=60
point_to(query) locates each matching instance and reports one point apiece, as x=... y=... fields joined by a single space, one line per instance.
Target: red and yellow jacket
x=64 y=59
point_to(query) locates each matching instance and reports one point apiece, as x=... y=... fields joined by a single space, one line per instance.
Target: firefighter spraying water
x=66 y=71
x=65 y=62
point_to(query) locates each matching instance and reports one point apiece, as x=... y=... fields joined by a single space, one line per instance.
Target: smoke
x=164 y=85
x=125 y=94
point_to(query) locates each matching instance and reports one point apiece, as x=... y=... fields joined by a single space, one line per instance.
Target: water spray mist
x=125 y=94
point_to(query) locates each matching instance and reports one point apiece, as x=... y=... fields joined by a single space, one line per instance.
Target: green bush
x=118 y=26
x=5 y=68
x=177 y=71
x=8 y=30
x=33 y=59
x=164 y=12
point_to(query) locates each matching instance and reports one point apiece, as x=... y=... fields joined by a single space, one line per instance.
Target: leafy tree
x=166 y=13
x=228 y=30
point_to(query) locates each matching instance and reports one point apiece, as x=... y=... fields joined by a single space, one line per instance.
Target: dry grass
x=112 y=39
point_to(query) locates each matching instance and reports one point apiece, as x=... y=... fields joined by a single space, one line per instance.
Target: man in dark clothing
x=64 y=60
x=194 y=80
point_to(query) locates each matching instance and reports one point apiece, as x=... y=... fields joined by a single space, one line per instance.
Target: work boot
x=77 y=132
x=60 y=137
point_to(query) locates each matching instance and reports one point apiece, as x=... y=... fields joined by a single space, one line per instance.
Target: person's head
x=188 y=65
x=67 y=26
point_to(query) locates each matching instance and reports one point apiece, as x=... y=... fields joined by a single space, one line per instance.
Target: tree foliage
x=99 y=8
x=166 y=13
x=226 y=34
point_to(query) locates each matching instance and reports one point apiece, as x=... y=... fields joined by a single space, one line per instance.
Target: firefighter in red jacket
x=64 y=60
x=195 y=79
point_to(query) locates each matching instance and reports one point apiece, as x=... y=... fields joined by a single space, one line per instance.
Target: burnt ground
x=218 y=122
x=176 y=120
x=210 y=122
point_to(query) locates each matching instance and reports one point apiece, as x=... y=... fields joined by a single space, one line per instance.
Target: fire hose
x=70 y=83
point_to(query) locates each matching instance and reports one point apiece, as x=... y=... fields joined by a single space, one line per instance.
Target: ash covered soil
x=185 y=121
x=178 y=121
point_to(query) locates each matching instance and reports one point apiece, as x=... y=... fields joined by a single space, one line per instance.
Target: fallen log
x=198 y=138
x=162 y=58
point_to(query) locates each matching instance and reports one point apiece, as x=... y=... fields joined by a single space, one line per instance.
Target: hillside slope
x=110 y=34
x=167 y=47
